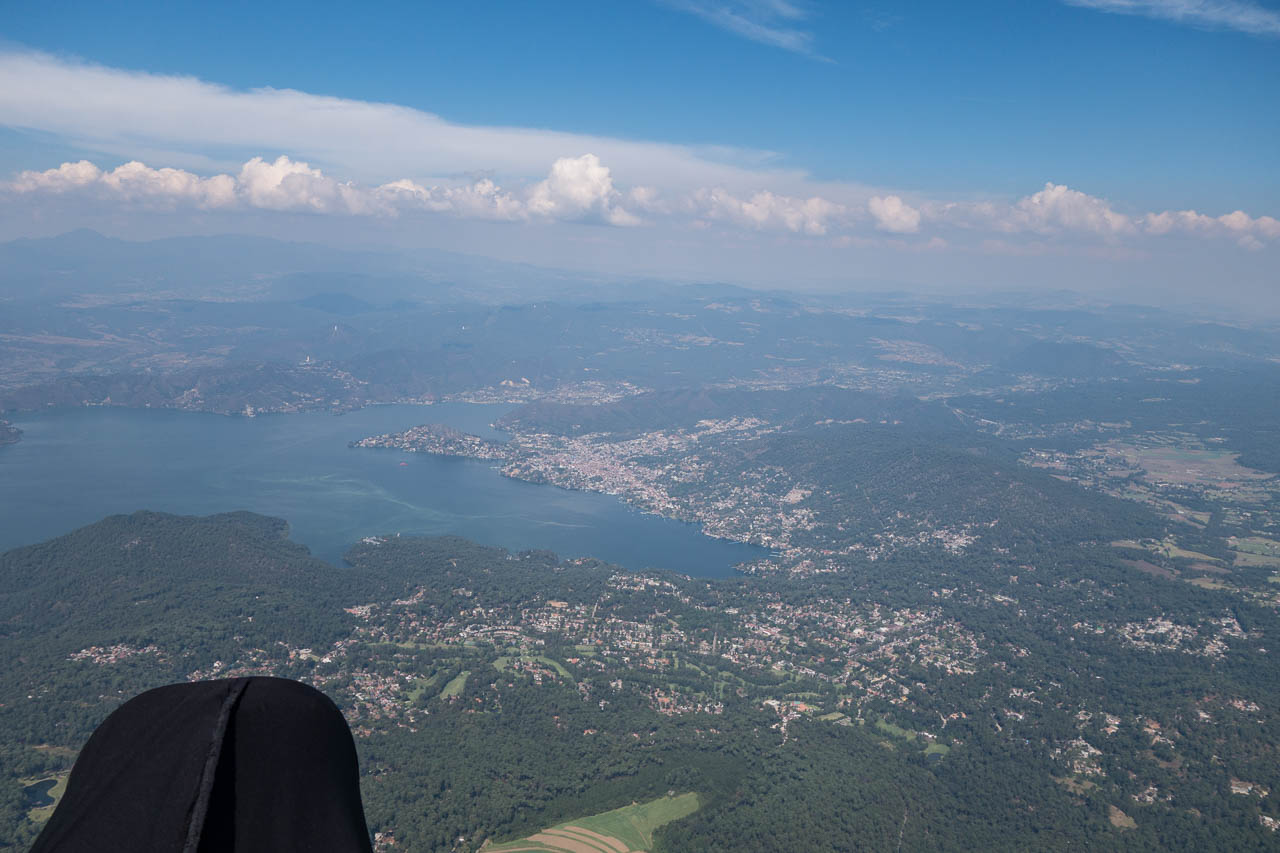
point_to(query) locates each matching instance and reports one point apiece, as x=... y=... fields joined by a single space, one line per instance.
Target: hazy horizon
x=810 y=147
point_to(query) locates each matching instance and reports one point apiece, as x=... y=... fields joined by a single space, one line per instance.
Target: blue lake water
x=75 y=466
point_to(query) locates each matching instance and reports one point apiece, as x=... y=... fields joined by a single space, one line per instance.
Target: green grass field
x=932 y=748
x=629 y=828
x=1168 y=548
x=1209 y=583
x=1256 y=552
x=1255 y=545
x=455 y=685
x=897 y=731
x=1257 y=561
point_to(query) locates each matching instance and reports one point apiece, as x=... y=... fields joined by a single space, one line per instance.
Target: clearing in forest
x=1119 y=819
x=43 y=795
x=455 y=685
x=895 y=730
x=623 y=830
x=1076 y=786
x=1168 y=547
x=420 y=686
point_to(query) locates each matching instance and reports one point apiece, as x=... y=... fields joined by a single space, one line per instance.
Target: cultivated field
x=1256 y=551
x=623 y=830
x=1187 y=466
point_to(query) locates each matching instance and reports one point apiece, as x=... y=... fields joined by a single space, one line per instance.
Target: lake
x=75 y=466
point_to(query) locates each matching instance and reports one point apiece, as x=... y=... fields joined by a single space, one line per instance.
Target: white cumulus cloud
x=1249 y=231
x=893 y=214
x=765 y=210
x=583 y=189
x=68 y=176
x=482 y=199
x=576 y=189
x=285 y=184
x=1058 y=207
x=1055 y=209
x=132 y=181
x=579 y=188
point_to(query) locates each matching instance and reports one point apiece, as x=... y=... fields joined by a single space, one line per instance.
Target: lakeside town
x=690 y=475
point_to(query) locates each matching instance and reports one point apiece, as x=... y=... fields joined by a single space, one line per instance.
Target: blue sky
x=955 y=116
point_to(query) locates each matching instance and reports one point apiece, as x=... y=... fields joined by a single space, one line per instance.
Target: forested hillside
x=937 y=702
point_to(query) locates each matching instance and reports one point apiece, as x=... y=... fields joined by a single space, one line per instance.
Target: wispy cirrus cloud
x=772 y=22
x=185 y=121
x=1244 y=16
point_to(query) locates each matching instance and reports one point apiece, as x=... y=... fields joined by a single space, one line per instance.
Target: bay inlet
x=75 y=466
